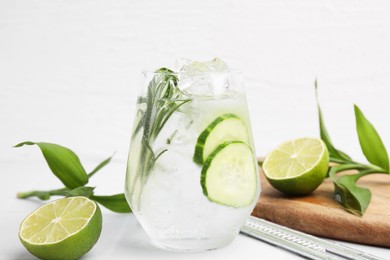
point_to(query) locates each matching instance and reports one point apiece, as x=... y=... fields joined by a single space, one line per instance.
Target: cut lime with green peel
x=227 y=127
x=229 y=175
x=297 y=167
x=62 y=229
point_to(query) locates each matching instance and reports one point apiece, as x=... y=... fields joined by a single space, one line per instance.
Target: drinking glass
x=192 y=177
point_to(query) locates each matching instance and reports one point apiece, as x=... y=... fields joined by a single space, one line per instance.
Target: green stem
x=361 y=166
x=43 y=195
x=364 y=173
x=344 y=167
x=336 y=160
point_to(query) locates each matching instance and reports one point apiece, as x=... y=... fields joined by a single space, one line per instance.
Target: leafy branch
x=66 y=166
x=352 y=197
x=162 y=100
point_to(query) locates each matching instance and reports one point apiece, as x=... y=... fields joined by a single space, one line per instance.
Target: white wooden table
x=122 y=237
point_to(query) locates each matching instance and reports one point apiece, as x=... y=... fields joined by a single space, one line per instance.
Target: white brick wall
x=69 y=70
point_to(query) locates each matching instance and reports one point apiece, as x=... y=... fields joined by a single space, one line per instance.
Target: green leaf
x=116 y=203
x=353 y=198
x=81 y=191
x=63 y=162
x=370 y=141
x=101 y=165
x=333 y=152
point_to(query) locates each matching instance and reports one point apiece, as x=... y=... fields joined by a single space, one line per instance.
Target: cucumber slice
x=229 y=175
x=227 y=127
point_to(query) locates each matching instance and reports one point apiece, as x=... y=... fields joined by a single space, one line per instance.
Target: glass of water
x=192 y=177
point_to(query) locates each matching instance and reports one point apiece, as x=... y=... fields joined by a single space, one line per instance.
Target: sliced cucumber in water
x=229 y=175
x=227 y=127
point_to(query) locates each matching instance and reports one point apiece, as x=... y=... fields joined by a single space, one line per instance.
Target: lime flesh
x=297 y=167
x=63 y=229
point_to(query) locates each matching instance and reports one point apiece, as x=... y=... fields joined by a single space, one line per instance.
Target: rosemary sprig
x=162 y=100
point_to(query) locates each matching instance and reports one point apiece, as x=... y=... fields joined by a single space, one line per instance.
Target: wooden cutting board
x=319 y=214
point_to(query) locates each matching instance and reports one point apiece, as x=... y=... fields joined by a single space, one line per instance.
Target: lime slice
x=62 y=229
x=229 y=175
x=297 y=167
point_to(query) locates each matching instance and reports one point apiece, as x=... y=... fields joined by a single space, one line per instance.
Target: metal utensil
x=300 y=243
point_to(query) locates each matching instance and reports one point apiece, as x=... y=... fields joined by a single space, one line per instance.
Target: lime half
x=62 y=229
x=297 y=167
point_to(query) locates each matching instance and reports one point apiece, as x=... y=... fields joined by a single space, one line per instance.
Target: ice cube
x=195 y=85
x=207 y=79
x=193 y=67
